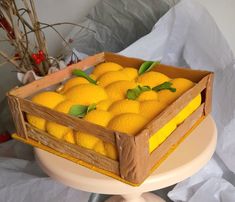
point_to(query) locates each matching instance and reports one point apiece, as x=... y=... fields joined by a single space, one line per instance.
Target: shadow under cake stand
x=188 y=158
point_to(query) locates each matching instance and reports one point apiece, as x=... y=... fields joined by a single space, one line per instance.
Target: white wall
x=53 y=11
x=49 y=11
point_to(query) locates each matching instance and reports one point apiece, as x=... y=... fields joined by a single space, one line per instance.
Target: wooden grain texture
x=175 y=137
x=181 y=72
x=64 y=119
x=142 y=155
x=56 y=77
x=123 y=60
x=75 y=151
x=17 y=116
x=209 y=91
x=126 y=152
x=173 y=109
x=133 y=154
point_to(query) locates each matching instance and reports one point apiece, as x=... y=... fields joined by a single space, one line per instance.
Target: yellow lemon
x=104 y=104
x=152 y=79
x=130 y=72
x=111 y=77
x=86 y=140
x=181 y=85
x=161 y=135
x=118 y=89
x=128 y=123
x=106 y=67
x=99 y=148
x=148 y=95
x=189 y=109
x=55 y=129
x=124 y=106
x=68 y=137
x=111 y=151
x=93 y=76
x=86 y=94
x=65 y=106
x=98 y=117
x=48 y=99
x=71 y=83
x=151 y=108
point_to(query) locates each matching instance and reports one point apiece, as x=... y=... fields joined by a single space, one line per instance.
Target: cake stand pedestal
x=188 y=158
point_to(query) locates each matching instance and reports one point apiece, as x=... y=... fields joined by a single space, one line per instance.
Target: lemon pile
x=112 y=108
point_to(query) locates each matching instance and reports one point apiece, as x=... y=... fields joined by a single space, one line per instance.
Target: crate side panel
x=56 y=77
x=75 y=151
x=67 y=120
x=175 y=137
x=179 y=72
x=173 y=109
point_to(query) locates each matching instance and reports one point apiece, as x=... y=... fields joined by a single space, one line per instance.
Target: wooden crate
x=135 y=163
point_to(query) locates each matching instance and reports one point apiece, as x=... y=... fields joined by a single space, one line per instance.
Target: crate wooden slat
x=135 y=162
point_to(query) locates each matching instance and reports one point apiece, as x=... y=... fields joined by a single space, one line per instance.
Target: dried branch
x=57 y=33
x=62 y=23
x=12 y=61
x=38 y=34
x=69 y=23
x=17 y=23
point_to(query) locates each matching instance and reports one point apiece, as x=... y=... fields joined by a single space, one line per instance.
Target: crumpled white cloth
x=188 y=36
x=21 y=180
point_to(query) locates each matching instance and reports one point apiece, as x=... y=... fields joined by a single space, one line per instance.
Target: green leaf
x=144 y=88
x=147 y=66
x=81 y=110
x=91 y=107
x=78 y=110
x=134 y=93
x=80 y=73
x=144 y=67
x=164 y=86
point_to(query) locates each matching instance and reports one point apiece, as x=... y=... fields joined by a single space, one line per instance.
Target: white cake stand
x=190 y=156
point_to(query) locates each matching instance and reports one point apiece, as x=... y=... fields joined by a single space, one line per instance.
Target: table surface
x=188 y=158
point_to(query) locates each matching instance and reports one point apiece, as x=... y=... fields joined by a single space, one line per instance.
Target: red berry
x=34 y=56
x=38 y=61
x=40 y=52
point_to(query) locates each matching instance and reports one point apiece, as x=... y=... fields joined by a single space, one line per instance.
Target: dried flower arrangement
x=21 y=23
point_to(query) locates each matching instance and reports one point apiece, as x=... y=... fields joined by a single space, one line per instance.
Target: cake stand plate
x=188 y=158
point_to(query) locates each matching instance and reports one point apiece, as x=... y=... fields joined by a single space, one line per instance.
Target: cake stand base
x=190 y=156
x=146 y=197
